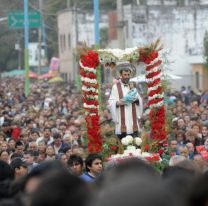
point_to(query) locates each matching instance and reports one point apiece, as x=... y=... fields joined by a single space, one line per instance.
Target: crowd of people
x=44 y=158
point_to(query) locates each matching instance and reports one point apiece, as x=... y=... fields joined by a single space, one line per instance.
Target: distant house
x=199 y=73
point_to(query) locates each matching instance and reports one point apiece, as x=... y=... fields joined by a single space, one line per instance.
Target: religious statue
x=126 y=109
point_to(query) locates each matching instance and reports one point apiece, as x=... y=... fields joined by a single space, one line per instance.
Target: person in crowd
x=173 y=147
x=94 y=167
x=29 y=157
x=19 y=167
x=6 y=178
x=47 y=138
x=191 y=150
x=75 y=164
x=65 y=189
x=58 y=144
x=204 y=132
x=4 y=156
x=19 y=147
x=50 y=153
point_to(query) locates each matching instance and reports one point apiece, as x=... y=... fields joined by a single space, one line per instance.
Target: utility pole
x=97 y=20
x=75 y=69
x=97 y=42
x=40 y=39
x=120 y=25
x=68 y=3
x=26 y=50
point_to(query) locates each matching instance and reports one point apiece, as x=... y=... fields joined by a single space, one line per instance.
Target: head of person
x=35 y=135
x=4 y=156
x=183 y=151
x=62 y=158
x=57 y=139
x=65 y=189
x=11 y=143
x=180 y=135
x=196 y=128
x=47 y=132
x=6 y=171
x=204 y=131
x=4 y=146
x=93 y=163
x=19 y=147
x=41 y=147
x=198 y=158
x=174 y=160
x=19 y=167
x=75 y=163
x=173 y=145
x=190 y=147
x=62 y=126
x=132 y=84
x=68 y=138
x=181 y=123
x=39 y=172
x=33 y=146
x=206 y=144
x=29 y=156
x=203 y=116
x=187 y=119
x=50 y=151
x=67 y=151
x=2 y=137
x=125 y=75
x=191 y=135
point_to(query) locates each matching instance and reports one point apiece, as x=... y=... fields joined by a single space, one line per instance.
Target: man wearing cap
x=125 y=116
x=19 y=167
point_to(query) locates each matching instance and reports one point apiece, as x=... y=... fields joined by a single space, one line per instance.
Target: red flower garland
x=92 y=119
x=155 y=82
x=89 y=93
x=157 y=115
x=155 y=91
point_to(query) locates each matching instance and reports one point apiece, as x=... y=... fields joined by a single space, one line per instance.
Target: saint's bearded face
x=125 y=76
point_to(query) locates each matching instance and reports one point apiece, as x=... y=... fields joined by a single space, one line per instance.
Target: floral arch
x=89 y=61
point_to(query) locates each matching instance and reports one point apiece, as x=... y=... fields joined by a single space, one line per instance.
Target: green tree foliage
x=206 y=48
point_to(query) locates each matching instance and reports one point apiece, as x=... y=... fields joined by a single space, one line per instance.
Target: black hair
x=5 y=150
x=90 y=158
x=15 y=155
x=75 y=158
x=56 y=135
x=199 y=193
x=124 y=69
x=65 y=188
x=5 y=171
x=18 y=143
x=30 y=152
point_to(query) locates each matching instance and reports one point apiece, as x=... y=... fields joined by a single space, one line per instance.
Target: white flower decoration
x=138 y=141
x=131 y=148
x=138 y=151
x=130 y=139
x=146 y=154
x=125 y=141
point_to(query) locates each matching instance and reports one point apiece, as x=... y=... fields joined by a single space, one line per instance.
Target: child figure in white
x=132 y=94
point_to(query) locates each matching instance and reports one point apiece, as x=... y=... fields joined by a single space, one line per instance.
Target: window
x=64 y=42
x=69 y=41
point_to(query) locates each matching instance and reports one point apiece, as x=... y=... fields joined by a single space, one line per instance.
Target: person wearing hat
x=125 y=116
x=19 y=167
